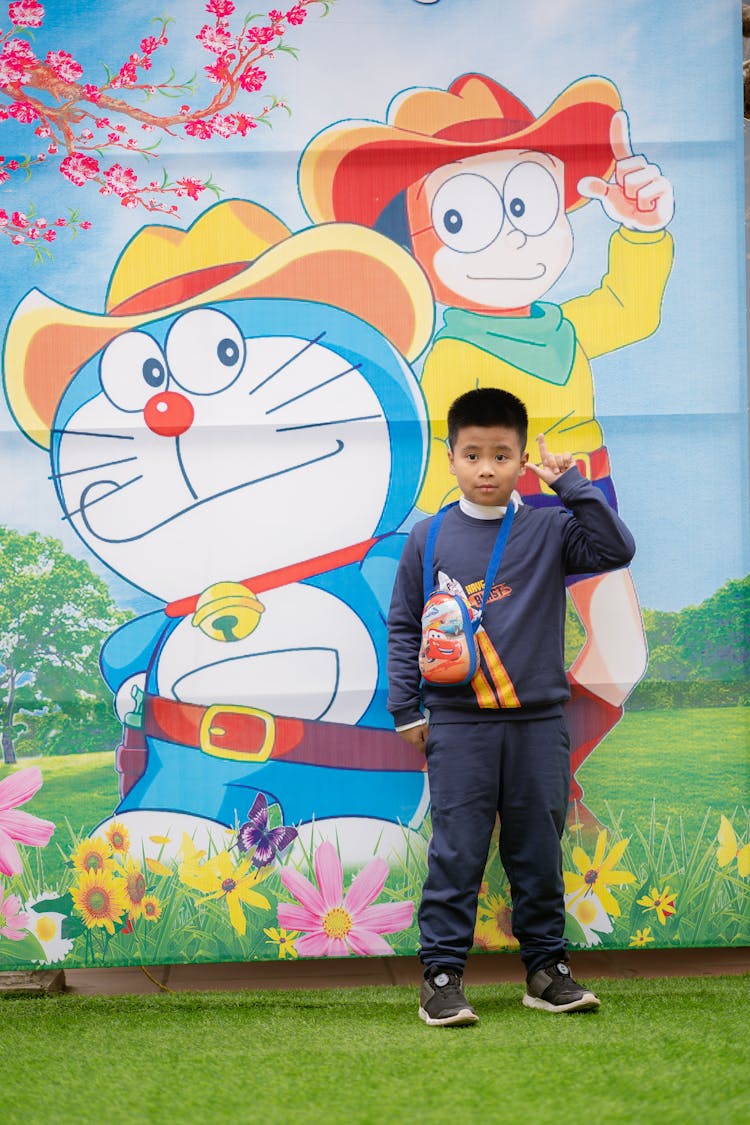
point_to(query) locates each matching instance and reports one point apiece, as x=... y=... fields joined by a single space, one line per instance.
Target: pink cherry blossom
x=85 y=225
x=121 y=180
x=23 y=112
x=245 y=123
x=252 y=78
x=64 y=66
x=335 y=925
x=215 y=39
x=149 y=44
x=19 y=220
x=296 y=15
x=224 y=125
x=199 y=128
x=26 y=13
x=4 y=176
x=260 y=35
x=93 y=93
x=78 y=167
x=190 y=187
x=220 y=7
x=13 y=924
x=49 y=235
x=15 y=826
x=218 y=72
x=17 y=239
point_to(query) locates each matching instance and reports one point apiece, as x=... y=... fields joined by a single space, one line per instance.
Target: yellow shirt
x=626 y=307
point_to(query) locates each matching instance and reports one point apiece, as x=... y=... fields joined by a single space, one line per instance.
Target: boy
x=499 y=743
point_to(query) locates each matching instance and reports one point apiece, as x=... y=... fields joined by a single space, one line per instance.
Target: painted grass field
x=667 y=868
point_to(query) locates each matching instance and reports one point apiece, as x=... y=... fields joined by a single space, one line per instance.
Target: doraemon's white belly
x=310 y=657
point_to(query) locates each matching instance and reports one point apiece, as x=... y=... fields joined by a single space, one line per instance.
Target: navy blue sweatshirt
x=522 y=664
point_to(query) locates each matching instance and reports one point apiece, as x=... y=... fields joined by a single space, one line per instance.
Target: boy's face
x=491 y=231
x=487 y=462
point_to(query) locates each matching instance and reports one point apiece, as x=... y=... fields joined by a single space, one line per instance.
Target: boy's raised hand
x=553 y=464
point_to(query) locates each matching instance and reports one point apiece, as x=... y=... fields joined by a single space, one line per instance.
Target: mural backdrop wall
x=248 y=262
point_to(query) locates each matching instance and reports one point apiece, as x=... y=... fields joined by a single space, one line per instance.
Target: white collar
x=488 y=512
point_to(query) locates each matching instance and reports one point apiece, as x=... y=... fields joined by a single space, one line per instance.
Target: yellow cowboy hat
x=234 y=249
x=353 y=170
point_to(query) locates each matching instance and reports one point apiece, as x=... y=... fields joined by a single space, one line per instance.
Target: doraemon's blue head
x=238 y=438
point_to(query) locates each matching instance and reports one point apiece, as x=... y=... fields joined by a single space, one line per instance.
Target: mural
x=226 y=384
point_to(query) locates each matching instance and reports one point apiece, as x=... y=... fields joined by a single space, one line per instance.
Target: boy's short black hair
x=488 y=406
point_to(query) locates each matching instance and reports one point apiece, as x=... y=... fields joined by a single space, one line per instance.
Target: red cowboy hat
x=353 y=170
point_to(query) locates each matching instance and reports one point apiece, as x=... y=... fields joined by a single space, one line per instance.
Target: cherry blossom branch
x=83 y=122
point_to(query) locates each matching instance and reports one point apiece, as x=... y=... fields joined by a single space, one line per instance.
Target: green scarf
x=542 y=344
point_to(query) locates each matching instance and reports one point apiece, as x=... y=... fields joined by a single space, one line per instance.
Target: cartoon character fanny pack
x=449 y=652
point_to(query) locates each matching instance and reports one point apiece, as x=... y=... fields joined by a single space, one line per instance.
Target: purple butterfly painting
x=255 y=833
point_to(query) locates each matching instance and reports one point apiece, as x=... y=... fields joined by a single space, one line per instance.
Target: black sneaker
x=552 y=989
x=441 y=999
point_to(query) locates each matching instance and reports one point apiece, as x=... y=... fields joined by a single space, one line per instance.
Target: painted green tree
x=54 y=614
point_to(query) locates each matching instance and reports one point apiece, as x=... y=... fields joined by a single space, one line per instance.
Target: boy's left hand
x=553 y=464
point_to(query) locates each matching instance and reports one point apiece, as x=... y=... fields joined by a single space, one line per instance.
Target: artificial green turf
x=666 y=1051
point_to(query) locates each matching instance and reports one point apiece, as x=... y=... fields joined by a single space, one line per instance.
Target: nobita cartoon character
x=480 y=191
x=239 y=434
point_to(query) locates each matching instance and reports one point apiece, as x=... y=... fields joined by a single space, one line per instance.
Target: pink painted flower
x=260 y=35
x=78 y=167
x=26 y=13
x=85 y=225
x=4 y=176
x=296 y=15
x=199 y=128
x=49 y=235
x=252 y=78
x=128 y=75
x=218 y=72
x=149 y=44
x=43 y=131
x=91 y=92
x=64 y=65
x=121 y=180
x=336 y=925
x=13 y=924
x=19 y=220
x=223 y=125
x=23 y=112
x=190 y=187
x=17 y=826
x=17 y=239
x=244 y=124
x=220 y=8
x=215 y=39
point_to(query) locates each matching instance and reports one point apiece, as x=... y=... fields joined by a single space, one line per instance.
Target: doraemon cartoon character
x=239 y=435
x=479 y=190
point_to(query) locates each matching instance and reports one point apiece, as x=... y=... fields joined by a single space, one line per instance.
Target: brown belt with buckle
x=248 y=734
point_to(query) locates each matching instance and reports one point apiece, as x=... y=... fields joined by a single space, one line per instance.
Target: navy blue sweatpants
x=519 y=768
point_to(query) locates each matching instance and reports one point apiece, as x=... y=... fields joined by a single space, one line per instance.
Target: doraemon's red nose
x=168 y=414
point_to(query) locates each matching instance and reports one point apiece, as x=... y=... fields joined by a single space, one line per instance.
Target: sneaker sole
x=586 y=1003
x=458 y=1019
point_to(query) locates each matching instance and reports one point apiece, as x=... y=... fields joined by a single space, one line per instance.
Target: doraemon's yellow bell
x=227 y=611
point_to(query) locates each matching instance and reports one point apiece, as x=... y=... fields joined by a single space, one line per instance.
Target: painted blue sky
x=673 y=407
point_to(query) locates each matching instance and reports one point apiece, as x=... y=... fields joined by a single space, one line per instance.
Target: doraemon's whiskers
x=91 y=468
x=92 y=433
x=105 y=496
x=286 y=362
x=311 y=390
x=330 y=422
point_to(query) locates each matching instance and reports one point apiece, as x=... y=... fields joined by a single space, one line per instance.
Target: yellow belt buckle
x=210 y=727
